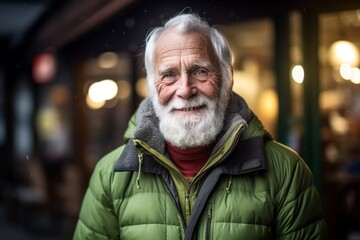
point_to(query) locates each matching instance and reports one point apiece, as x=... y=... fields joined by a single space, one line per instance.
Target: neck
x=190 y=160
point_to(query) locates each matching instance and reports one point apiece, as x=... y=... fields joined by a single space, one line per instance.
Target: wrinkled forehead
x=173 y=42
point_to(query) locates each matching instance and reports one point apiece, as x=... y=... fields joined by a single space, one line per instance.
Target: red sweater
x=190 y=160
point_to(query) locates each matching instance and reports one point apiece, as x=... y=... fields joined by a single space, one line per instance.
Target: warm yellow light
x=109 y=89
x=298 y=74
x=330 y=100
x=94 y=105
x=355 y=75
x=246 y=85
x=108 y=60
x=350 y=73
x=103 y=90
x=268 y=108
x=268 y=104
x=141 y=88
x=343 y=52
x=124 y=89
x=345 y=71
x=94 y=94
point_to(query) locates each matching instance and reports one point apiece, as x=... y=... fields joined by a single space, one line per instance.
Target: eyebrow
x=165 y=69
x=206 y=65
x=194 y=65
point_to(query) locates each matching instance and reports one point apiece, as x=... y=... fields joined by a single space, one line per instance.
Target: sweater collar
x=189 y=161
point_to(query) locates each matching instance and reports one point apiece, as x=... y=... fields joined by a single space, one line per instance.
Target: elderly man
x=197 y=163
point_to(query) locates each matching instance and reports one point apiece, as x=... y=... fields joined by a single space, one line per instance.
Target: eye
x=169 y=77
x=201 y=74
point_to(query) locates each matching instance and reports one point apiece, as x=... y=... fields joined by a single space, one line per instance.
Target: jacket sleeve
x=299 y=209
x=97 y=219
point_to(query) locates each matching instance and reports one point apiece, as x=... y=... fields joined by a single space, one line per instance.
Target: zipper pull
x=187 y=200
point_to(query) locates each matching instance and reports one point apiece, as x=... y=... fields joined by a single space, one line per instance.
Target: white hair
x=187 y=23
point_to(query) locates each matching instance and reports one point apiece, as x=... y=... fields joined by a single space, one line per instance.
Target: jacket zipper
x=235 y=135
x=208 y=225
x=187 y=200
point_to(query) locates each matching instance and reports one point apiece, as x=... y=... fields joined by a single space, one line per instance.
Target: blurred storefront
x=297 y=67
x=339 y=102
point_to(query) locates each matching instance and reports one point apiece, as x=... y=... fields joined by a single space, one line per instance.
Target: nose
x=187 y=87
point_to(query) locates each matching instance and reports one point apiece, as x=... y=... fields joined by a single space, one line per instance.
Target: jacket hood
x=144 y=124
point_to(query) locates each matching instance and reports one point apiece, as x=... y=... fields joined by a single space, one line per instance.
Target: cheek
x=211 y=88
x=165 y=93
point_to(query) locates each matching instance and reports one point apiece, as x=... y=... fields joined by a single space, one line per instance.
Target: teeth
x=190 y=109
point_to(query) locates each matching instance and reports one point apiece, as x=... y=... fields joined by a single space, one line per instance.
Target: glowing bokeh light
x=345 y=71
x=109 y=88
x=94 y=105
x=103 y=90
x=43 y=67
x=298 y=73
x=343 y=52
x=141 y=88
x=355 y=75
x=108 y=60
x=124 y=89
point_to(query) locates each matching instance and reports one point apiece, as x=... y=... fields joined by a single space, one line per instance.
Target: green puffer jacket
x=251 y=188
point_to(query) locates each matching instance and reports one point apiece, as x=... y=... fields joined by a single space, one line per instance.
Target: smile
x=190 y=109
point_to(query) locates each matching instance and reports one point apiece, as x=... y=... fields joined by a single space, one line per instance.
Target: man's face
x=185 y=65
x=188 y=80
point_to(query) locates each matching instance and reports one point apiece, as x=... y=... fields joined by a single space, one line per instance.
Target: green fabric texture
x=278 y=203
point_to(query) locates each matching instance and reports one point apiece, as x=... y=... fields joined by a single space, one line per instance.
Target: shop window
x=107 y=92
x=339 y=102
x=252 y=47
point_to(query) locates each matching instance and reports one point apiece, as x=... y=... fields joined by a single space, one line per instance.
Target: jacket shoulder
x=97 y=218
x=299 y=208
x=286 y=165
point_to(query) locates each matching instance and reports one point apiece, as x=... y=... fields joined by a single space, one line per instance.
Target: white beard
x=191 y=131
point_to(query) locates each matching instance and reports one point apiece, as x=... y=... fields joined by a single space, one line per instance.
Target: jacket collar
x=147 y=130
x=248 y=156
